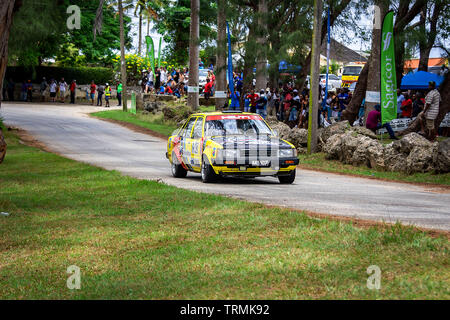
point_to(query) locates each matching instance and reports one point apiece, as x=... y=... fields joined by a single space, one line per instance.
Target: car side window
x=198 y=129
x=187 y=131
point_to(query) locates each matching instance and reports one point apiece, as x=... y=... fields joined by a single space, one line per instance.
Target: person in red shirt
x=374 y=122
x=253 y=97
x=407 y=106
x=207 y=89
x=93 y=89
x=73 y=87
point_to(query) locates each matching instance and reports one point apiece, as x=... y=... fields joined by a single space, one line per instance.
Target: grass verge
x=136 y=239
x=317 y=161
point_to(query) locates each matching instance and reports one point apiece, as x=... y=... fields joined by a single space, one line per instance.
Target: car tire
x=208 y=174
x=287 y=179
x=177 y=169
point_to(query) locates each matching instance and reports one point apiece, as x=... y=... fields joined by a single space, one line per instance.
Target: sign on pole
x=132 y=104
x=388 y=76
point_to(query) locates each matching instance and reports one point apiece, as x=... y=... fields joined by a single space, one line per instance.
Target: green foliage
x=334 y=68
x=174 y=23
x=79 y=45
x=83 y=75
x=39 y=32
x=36 y=31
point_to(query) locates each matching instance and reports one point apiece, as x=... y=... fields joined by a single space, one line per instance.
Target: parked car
x=333 y=81
x=230 y=144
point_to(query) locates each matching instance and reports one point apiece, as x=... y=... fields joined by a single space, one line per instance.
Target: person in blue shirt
x=261 y=104
x=246 y=104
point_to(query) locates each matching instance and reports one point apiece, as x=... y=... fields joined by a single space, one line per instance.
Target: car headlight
x=287 y=153
x=229 y=153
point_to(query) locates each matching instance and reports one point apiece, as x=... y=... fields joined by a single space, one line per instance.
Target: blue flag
x=234 y=97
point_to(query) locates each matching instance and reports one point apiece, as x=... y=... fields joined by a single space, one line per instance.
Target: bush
x=83 y=75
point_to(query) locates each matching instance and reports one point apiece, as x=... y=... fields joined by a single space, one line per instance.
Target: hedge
x=83 y=75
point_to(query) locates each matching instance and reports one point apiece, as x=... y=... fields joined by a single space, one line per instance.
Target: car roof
x=219 y=113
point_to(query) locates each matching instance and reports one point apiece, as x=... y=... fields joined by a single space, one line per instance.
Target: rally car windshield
x=249 y=127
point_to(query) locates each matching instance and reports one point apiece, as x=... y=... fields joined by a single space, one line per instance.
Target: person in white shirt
x=62 y=90
x=163 y=75
x=53 y=90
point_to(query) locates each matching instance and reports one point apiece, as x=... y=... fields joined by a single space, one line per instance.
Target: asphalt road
x=71 y=132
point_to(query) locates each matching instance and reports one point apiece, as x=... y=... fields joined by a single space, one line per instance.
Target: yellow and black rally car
x=230 y=144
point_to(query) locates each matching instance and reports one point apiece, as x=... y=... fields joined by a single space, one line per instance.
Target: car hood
x=250 y=142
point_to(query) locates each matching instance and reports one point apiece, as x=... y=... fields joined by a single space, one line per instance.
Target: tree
x=7 y=11
x=193 y=54
x=174 y=23
x=122 y=57
x=428 y=38
x=374 y=72
x=221 y=67
x=261 y=49
x=36 y=32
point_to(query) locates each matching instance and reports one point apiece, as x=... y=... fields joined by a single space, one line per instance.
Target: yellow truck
x=351 y=73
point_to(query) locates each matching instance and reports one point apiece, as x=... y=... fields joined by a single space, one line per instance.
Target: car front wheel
x=287 y=179
x=208 y=174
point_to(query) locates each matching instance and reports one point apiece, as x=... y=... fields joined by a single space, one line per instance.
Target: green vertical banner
x=133 y=103
x=388 y=76
x=159 y=52
x=151 y=52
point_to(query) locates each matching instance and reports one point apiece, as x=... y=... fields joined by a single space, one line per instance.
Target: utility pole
x=221 y=58
x=123 y=62
x=373 y=94
x=314 y=85
x=193 y=55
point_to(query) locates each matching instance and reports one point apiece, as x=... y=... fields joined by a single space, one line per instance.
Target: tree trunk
x=7 y=10
x=140 y=34
x=426 y=44
x=221 y=60
x=351 y=112
x=373 y=93
x=261 y=57
x=315 y=78
x=123 y=62
x=193 y=55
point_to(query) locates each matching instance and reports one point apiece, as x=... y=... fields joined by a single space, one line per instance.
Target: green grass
x=318 y=161
x=149 y=121
x=138 y=239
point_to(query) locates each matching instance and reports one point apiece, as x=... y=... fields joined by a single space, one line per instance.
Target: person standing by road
x=11 y=86
x=62 y=90
x=107 y=94
x=119 y=93
x=29 y=88
x=43 y=88
x=53 y=86
x=73 y=88
x=431 y=111
x=93 y=89
x=100 y=91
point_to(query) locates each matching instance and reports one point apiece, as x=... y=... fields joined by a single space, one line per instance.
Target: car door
x=186 y=142
x=197 y=144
